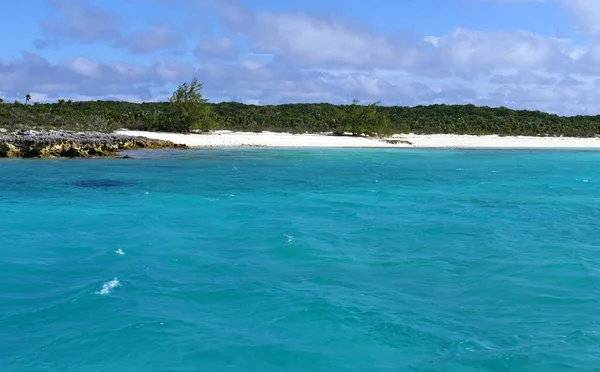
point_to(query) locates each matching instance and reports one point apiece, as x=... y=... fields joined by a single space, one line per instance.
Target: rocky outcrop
x=397 y=142
x=56 y=144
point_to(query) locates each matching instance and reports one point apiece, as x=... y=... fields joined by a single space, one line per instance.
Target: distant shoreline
x=406 y=141
x=57 y=144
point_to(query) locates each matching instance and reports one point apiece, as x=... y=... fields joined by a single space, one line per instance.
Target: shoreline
x=223 y=139
x=59 y=144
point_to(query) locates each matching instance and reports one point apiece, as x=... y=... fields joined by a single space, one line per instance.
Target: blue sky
x=530 y=54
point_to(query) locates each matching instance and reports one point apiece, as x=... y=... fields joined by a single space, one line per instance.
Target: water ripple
x=247 y=259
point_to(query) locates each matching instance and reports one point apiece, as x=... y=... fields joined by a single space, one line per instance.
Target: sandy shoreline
x=270 y=139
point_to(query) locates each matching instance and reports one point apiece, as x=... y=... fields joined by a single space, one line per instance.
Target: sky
x=524 y=54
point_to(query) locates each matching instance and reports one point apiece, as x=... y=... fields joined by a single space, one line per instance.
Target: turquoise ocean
x=302 y=260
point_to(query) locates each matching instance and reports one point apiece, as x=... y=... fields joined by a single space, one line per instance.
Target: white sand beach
x=270 y=139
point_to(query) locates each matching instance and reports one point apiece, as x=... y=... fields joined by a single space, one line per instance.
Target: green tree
x=365 y=120
x=27 y=98
x=191 y=109
x=1 y=100
x=377 y=122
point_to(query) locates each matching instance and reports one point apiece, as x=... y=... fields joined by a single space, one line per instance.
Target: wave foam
x=108 y=286
x=120 y=252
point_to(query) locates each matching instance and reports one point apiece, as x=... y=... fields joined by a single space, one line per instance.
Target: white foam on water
x=109 y=286
x=289 y=238
x=120 y=252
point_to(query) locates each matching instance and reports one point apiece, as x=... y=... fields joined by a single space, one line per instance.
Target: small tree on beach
x=190 y=108
x=364 y=120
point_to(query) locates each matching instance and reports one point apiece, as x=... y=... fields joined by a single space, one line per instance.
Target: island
x=105 y=128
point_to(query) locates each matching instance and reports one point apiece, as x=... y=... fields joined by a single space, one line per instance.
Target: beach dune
x=270 y=139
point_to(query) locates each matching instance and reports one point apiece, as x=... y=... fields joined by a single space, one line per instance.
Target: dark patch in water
x=5 y=182
x=101 y=183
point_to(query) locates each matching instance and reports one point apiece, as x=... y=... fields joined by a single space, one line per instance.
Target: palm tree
x=27 y=98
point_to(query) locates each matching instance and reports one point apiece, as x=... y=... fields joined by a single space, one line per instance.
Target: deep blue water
x=302 y=260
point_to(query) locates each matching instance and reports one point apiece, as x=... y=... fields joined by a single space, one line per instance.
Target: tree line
x=188 y=110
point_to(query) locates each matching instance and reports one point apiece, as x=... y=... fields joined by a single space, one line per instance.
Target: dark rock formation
x=54 y=144
x=398 y=142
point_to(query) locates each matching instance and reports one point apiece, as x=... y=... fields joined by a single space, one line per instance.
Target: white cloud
x=87 y=68
x=81 y=21
x=476 y=52
x=147 y=41
x=309 y=41
x=587 y=15
x=83 y=77
x=221 y=48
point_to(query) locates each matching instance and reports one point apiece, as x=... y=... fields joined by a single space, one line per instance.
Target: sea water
x=302 y=260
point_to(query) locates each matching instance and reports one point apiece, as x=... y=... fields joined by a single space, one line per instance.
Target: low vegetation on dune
x=188 y=110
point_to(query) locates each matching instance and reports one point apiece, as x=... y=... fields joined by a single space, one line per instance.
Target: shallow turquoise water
x=302 y=260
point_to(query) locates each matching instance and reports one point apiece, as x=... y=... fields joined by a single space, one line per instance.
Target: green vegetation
x=188 y=110
x=362 y=120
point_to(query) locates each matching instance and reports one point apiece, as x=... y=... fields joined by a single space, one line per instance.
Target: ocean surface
x=302 y=260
